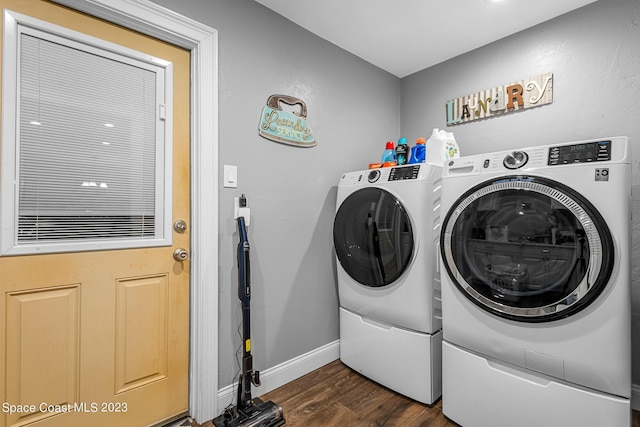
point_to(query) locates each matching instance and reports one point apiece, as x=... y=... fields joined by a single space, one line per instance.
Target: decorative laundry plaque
x=283 y=126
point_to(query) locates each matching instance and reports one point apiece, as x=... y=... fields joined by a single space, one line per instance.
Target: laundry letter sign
x=520 y=95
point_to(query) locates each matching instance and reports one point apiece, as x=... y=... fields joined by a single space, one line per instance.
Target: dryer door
x=373 y=237
x=527 y=248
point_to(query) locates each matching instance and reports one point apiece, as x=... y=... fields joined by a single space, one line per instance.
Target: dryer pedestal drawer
x=405 y=361
x=478 y=392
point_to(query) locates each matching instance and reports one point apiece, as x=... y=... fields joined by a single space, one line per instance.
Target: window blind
x=86 y=146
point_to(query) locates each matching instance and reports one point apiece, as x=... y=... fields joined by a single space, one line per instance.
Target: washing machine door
x=373 y=237
x=527 y=248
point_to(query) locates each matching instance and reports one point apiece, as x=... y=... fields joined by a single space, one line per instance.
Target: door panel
x=141 y=332
x=100 y=338
x=42 y=348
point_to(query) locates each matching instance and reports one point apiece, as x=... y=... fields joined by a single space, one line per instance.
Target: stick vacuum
x=248 y=412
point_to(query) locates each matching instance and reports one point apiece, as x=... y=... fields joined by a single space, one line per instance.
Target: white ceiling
x=405 y=36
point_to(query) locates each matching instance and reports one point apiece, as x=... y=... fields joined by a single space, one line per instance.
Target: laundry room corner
x=593 y=56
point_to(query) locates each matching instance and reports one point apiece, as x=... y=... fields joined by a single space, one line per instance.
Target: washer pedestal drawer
x=403 y=360
x=481 y=392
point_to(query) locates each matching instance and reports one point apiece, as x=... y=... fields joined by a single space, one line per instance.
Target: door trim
x=202 y=41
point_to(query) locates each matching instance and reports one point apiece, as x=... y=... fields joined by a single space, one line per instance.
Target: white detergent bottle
x=441 y=147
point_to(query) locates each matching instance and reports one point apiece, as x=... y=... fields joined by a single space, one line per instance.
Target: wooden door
x=100 y=338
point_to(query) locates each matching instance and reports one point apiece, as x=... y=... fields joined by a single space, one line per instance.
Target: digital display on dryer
x=580 y=153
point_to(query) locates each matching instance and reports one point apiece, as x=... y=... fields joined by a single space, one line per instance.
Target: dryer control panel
x=580 y=153
x=600 y=151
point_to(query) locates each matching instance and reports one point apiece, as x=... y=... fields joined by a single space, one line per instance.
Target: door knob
x=180 y=226
x=180 y=254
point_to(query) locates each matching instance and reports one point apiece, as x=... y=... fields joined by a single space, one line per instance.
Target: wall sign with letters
x=523 y=94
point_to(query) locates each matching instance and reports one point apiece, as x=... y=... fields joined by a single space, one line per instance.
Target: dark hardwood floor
x=335 y=395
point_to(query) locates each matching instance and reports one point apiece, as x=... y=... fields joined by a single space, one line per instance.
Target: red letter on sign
x=515 y=95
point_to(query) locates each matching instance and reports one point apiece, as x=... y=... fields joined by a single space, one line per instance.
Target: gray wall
x=353 y=108
x=594 y=54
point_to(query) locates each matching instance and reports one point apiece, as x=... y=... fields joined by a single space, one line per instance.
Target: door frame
x=202 y=41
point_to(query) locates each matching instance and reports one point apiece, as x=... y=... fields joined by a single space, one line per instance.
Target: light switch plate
x=230 y=176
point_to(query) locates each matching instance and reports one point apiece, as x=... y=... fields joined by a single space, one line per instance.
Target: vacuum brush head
x=258 y=414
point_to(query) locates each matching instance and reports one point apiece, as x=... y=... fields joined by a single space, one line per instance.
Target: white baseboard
x=285 y=372
x=635 y=397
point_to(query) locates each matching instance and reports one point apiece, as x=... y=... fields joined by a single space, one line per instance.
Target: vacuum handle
x=244 y=264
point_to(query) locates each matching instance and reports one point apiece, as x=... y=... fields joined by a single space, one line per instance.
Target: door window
x=373 y=237
x=527 y=248
x=86 y=123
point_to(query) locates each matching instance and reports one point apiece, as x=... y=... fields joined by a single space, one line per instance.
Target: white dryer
x=386 y=232
x=536 y=286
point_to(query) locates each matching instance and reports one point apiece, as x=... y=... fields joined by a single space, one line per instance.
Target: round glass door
x=373 y=237
x=527 y=248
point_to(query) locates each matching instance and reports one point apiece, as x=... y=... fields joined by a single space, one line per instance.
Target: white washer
x=536 y=286
x=386 y=232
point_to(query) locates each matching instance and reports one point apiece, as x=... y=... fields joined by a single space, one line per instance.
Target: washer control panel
x=580 y=153
x=404 y=172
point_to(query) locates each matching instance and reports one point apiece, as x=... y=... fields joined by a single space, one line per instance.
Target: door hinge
x=162 y=112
